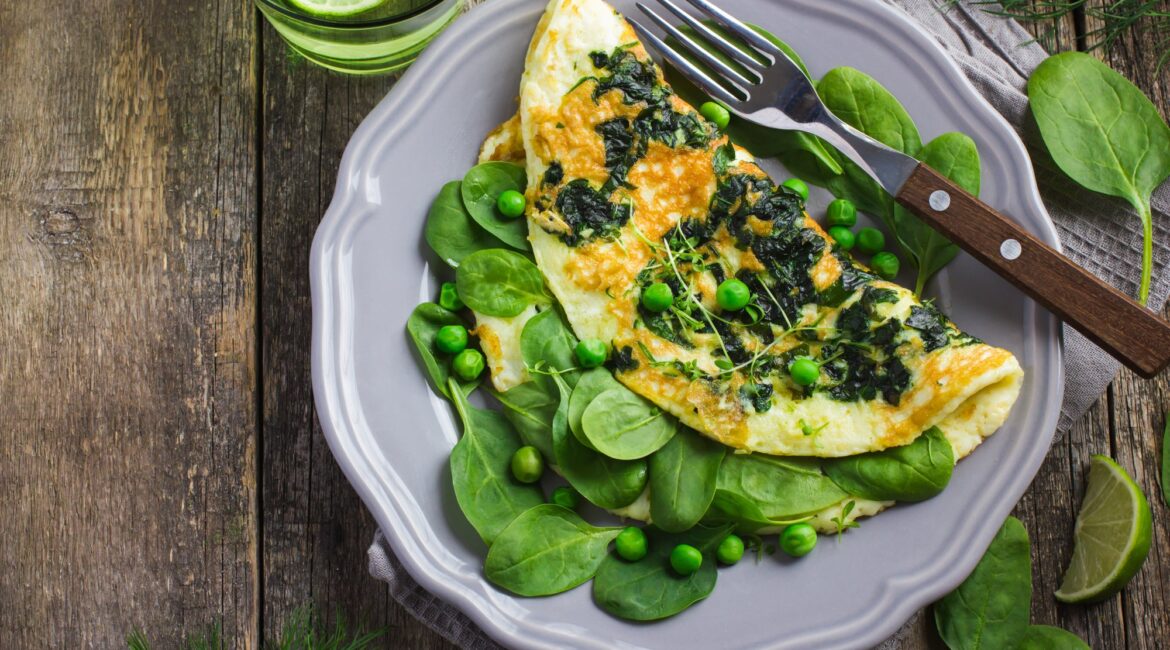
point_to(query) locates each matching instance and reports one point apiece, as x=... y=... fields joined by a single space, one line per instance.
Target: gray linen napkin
x=1098 y=232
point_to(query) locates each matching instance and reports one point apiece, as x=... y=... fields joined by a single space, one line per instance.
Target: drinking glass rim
x=337 y=24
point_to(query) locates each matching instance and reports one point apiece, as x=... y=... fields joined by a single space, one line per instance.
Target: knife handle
x=1121 y=326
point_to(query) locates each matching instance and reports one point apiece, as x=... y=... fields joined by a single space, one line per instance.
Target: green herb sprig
x=1146 y=17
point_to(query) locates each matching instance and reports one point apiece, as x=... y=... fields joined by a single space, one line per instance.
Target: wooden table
x=163 y=166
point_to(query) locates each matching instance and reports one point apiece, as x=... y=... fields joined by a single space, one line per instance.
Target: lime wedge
x=1111 y=538
x=335 y=8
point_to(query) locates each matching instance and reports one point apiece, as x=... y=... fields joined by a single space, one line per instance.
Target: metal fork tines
x=757 y=81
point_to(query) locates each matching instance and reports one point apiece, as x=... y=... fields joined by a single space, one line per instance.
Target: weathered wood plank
x=127 y=304
x=1138 y=409
x=316 y=530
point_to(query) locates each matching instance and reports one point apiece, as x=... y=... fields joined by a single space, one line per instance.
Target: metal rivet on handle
x=1010 y=249
x=940 y=200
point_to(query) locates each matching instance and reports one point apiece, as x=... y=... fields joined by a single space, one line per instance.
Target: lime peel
x=335 y=8
x=1112 y=535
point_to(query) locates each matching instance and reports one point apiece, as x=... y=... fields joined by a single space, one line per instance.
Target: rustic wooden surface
x=163 y=166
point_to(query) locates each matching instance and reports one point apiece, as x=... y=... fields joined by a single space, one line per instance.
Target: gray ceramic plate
x=392 y=437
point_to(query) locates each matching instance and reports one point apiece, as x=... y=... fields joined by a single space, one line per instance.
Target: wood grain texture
x=316 y=530
x=161 y=466
x=1114 y=321
x=127 y=321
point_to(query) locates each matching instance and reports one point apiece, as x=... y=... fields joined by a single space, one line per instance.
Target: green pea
x=657 y=297
x=798 y=540
x=716 y=113
x=591 y=353
x=527 y=464
x=468 y=364
x=842 y=212
x=511 y=203
x=804 y=371
x=449 y=297
x=870 y=240
x=730 y=550
x=451 y=339
x=798 y=186
x=566 y=497
x=886 y=264
x=685 y=559
x=733 y=295
x=843 y=236
x=630 y=544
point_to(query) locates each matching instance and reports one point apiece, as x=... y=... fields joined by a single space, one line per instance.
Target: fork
x=776 y=94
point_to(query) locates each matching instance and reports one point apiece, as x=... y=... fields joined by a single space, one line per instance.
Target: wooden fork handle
x=1122 y=327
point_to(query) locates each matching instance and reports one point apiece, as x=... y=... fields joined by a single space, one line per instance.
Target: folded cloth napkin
x=1098 y=232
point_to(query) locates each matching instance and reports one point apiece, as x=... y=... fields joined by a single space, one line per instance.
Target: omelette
x=628 y=186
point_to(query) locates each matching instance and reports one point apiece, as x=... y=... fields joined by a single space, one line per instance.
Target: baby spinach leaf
x=990 y=609
x=498 y=282
x=450 y=230
x=1166 y=461
x=547 y=550
x=1104 y=133
x=863 y=103
x=487 y=493
x=548 y=343
x=591 y=384
x=604 y=481
x=623 y=425
x=955 y=156
x=913 y=472
x=1046 y=637
x=649 y=589
x=423 y=326
x=754 y=490
x=530 y=407
x=682 y=480
x=482 y=185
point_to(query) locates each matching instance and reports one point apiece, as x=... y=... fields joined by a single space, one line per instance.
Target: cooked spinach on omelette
x=675 y=337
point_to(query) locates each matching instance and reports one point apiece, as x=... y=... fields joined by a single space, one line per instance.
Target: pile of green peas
x=466 y=363
x=797 y=540
x=841 y=217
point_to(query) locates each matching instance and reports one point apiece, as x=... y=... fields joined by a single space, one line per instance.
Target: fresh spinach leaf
x=530 y=407
x=990 y=609
x=422 y=327
x=498 y=282
x=482 y=186
x=1104 y=133
x=625 y=426
x=1046 y=637
x=649 y=589
x=547 y=342
x=913 y=472
x=754 y=490
x=1166 y=461
x=955 y=156
x=682 y=480
x=606 y=482
x=547 y=550
x=860 y=101
x=591 y=384
x=487 y=493
x=451 y=232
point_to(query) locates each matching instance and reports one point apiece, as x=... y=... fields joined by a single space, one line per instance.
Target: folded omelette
x=629 y=186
